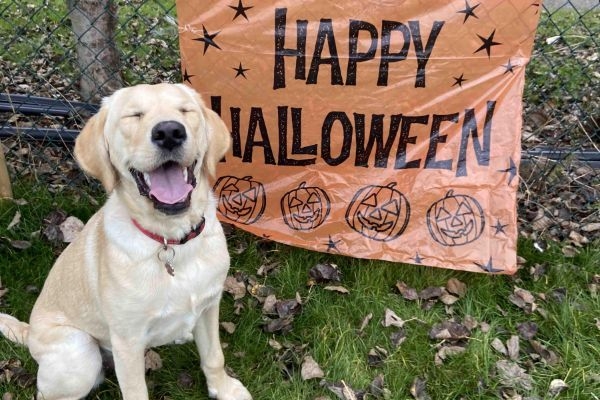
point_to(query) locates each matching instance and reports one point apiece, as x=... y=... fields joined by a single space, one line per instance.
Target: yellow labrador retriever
x=148 y=268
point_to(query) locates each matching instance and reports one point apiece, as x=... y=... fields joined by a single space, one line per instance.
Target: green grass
x=329 y=321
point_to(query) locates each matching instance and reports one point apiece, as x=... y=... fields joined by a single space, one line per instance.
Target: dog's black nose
x=168 y=134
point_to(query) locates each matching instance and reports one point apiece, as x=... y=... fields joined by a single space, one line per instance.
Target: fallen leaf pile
x=344 y=391
x=517 y=351
x=521 y=351
x=59 y=227
x=13 y=371
x=430 y=296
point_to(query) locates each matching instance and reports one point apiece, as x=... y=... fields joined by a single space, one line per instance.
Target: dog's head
x=154 y=144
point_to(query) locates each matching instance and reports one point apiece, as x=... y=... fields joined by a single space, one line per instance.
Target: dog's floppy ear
x=91 y=151
x=219 y=140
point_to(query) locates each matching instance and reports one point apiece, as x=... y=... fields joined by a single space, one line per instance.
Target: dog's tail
x=13 y=329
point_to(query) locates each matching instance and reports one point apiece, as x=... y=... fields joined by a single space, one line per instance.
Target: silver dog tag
x=169 y=268
x=166 y=254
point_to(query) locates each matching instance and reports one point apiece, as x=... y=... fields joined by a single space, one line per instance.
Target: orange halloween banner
x=376 y=129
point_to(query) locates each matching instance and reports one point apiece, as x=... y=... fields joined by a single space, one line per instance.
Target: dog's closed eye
x=138 y=115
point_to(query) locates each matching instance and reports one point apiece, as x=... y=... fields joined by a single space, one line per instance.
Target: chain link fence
x=50 y=83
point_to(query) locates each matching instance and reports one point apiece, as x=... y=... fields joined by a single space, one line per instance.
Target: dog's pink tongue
x=168 y=185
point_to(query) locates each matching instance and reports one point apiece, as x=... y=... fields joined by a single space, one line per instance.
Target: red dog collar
x=196 y=231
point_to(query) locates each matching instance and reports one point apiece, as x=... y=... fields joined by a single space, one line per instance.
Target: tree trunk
x=93 y=23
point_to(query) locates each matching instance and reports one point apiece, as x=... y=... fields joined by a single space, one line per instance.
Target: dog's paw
x=229 y=389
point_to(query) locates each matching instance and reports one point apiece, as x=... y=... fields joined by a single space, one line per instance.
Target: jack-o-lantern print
x=455 y=220
x=241 y=200
x=379 y=212
x=305 y=207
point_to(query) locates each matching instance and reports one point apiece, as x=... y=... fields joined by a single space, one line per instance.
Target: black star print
x=487 y=43
x=459 y=81
x=489 y=267
x=511 y=170
x=240 y=71
x=500 y=227
x=417 y=259
x=509 y=67
x=469 y=11
x=208 y=39
x=332 y=244
x=186 y=76
x=240 y=10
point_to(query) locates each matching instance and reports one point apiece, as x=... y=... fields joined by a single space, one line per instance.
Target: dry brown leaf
x=259 y=291
x=591 y=227
x=342 y=390
x=365 y=322
x=512 y=345
x=449 y=330
x=287 y=308
x=51 y=230
x=407 y=292
x=470 y=322
x=447 y=351
x=279 y=325
x=524 y=294
x=15 y=221
x=234 y=287
x=432 y=292
x=537 y=271
x=391 y=319
x=485 y=327
x=325 y=273
x=556 y=387
x=499 y=346
x=70 y=228
x=377 y=388
x=152 y=360
x=338 y=289
x=348 y=392
x=512 y=375
x=418 y=389
x=269 y=305
x=275 y=344
x=20 y=244
x=228 y=327
x=569 y=251
x=377 y=356
x=310 y=369
x=448 y=299
x=266 y=269
x=547 y=355
x=398 y=337
x=523 y=299
x=456 y=287
x=527 y=330
x=578 y=239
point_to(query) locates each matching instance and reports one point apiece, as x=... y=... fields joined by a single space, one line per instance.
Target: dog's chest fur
x=154 y=305
x=174 y=315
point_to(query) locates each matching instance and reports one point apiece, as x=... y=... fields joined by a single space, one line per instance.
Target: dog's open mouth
x=169 y=186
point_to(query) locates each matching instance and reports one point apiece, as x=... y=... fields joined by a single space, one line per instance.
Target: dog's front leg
x=128 y=357
x=206 y=334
